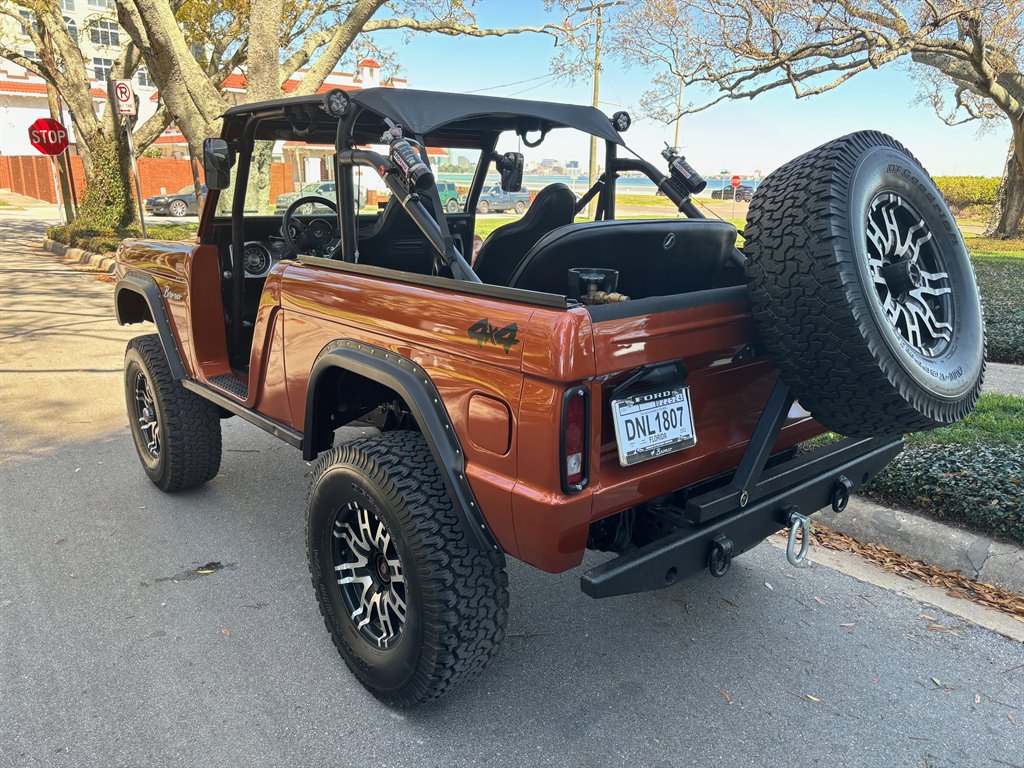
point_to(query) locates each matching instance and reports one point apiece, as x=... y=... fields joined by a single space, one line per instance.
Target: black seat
x=554 y=206
x=395 y=242
x=661 y=257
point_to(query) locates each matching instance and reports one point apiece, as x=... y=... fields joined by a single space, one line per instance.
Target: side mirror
x=217 y=162
x=511 y=167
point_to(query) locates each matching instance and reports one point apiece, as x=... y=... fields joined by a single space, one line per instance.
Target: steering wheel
x=314 y=237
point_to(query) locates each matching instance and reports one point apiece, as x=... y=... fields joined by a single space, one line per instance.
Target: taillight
x=575 y=433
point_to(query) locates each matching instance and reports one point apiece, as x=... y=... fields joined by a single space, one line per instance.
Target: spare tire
x=863 y=289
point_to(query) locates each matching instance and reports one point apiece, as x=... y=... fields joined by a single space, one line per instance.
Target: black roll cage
x=241 y=134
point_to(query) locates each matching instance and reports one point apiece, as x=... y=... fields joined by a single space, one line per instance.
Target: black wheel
x=176 y=432
x=482 y=207
x=452 y=206
x=520 y=207
x=178 y=208
x=413 y=608
x=863 y=289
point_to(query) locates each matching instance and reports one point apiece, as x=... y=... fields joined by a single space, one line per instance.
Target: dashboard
x=260 y=256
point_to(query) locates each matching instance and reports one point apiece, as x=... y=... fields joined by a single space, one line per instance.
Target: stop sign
x=48 y=136
x=735 y=181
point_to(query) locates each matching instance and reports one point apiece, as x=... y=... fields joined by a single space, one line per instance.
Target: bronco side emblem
x=482 y=331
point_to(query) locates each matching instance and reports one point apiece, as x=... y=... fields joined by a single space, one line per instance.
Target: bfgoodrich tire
x=412 y=606
x=176 y=432
x=863 y=289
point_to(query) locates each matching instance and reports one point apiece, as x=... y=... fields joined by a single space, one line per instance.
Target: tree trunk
x=1008 y=214
x=107 y=205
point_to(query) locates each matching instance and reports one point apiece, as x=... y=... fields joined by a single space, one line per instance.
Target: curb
x=977 y=557
x=95 y=260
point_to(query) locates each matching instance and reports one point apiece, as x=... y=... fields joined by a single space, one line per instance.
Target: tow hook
x=841 y=494
x=721 y=555
x=802 y=524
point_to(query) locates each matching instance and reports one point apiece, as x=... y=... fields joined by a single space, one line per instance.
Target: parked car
x=450 y=198
x=495 y=200
x=184 y=202
x=622 y=385
x=324 y=189
x=743 y=193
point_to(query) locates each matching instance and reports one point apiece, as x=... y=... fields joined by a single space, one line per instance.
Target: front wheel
x=179 y=208
x=412 y=606
x=176 y=432
x=452 y=206
x=482 y=207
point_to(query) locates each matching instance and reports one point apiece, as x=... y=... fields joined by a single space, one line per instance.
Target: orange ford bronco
x=638 y=387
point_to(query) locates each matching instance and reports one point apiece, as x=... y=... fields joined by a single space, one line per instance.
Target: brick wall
x=31 y=175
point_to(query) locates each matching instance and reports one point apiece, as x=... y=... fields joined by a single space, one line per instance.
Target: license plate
x=653 y=423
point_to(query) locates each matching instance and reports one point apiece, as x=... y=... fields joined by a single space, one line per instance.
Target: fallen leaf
x=78 y=469
x=61 y=541
x=769 y=586
x=940 y=628
x=226 y=632
x=725 y=696
x=819 y=601
x=937 y=681
x=806 y=697
x=926 y=617
x=851 y=625
x=1011 y=718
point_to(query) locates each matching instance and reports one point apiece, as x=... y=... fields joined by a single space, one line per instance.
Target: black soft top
x=455 y=117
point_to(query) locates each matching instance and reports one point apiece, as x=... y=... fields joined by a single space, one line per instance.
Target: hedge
x=962 y=191
x=979 y=486
x=97 y=241
x=1001 y=283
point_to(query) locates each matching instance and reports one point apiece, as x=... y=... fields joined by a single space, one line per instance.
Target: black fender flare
x=412 y=383
x=146 y=287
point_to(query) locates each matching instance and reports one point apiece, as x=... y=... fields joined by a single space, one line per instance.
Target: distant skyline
x=740 y=137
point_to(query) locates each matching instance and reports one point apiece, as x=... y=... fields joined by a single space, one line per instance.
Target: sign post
x=124 y=101
x=50 y=138
x=734 y=183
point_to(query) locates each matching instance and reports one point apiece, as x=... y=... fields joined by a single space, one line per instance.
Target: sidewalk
x=1004 y=379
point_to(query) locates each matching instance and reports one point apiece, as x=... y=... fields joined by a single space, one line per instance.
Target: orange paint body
x=504 y=405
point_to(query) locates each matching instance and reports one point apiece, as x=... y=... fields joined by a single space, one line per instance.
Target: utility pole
x=679 y=111
x=592 y=178
x=599 y=28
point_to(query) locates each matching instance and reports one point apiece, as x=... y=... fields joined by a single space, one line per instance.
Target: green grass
x=997 y=420
x=107 y=242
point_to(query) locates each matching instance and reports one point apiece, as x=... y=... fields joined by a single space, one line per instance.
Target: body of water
x=626 y=184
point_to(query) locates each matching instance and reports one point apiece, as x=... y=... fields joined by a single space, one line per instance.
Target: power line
x=506 y=85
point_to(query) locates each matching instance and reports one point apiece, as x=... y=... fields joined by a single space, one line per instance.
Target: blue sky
x=737 y=136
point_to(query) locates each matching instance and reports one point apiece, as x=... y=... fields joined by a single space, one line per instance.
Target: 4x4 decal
x=482 y=331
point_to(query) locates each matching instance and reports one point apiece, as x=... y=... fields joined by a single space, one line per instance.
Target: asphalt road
x=113 y=652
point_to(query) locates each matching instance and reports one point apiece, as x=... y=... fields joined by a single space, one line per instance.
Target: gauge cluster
x=258 y=256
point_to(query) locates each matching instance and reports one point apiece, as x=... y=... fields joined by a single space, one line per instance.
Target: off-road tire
x=190 y=437
x=821 y=315
x=456 y=594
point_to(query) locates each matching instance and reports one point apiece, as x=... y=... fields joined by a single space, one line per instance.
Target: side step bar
x=804 y=484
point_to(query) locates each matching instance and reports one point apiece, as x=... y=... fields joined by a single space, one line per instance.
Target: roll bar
x=413 y=205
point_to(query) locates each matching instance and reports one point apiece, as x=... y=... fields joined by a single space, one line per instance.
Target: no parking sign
x=124 y=97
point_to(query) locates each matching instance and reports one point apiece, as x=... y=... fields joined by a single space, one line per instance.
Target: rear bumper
x=806 y=483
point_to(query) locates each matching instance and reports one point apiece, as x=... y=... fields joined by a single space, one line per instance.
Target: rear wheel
x=412 y=606
x=482 y=207
x=520 y=207
x=863 y=289
x=176 y=432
